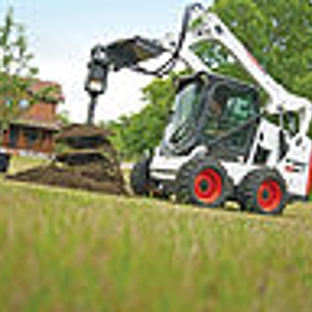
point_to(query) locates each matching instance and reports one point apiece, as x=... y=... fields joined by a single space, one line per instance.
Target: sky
x=61 y=34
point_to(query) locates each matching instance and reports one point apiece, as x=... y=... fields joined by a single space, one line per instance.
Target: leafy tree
x=63 y=118
x=15 y=70
x=279 y=35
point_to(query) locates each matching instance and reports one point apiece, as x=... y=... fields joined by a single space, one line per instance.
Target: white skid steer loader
x=219 y=144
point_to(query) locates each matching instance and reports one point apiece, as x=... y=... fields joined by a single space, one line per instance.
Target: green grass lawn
x=64 y=250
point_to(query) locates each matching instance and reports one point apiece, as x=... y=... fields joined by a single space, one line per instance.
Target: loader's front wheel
x=263 y=191
x=203 y=182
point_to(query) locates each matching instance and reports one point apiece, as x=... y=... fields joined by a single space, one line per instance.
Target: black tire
x=203 y=182
x=140 y=179
x=4 y=162
x=159 y=193
x=263 y=191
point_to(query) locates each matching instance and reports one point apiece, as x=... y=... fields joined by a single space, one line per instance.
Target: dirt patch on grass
x=91 y=178
x=89 y=163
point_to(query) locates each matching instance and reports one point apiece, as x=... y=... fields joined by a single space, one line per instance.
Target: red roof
x=34 y=123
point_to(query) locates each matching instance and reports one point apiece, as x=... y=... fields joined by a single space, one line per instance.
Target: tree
x=279 y=35
x=16 y=71
x=63 y=118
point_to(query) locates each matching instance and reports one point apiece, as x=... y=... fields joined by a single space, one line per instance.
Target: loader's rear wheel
x=140 y=178
x=263 y=191
x=204 y=182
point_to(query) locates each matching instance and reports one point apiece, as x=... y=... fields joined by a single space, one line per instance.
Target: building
x=32 y=132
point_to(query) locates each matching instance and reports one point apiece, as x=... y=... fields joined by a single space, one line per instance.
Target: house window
x=31 y=137
x=13 y=137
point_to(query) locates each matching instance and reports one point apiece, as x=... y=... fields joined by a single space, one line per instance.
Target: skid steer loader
x=219 y=144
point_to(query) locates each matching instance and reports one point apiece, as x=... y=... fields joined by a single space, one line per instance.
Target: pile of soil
x=89 y=163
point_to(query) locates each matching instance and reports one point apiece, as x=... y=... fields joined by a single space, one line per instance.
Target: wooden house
x=33 y=130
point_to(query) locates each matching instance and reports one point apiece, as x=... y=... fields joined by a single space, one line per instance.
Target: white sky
x=61 y=34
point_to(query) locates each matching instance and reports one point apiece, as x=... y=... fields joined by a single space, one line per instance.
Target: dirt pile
x=89 y=162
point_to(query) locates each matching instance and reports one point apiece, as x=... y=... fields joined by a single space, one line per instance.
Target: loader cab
x=214 y=111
